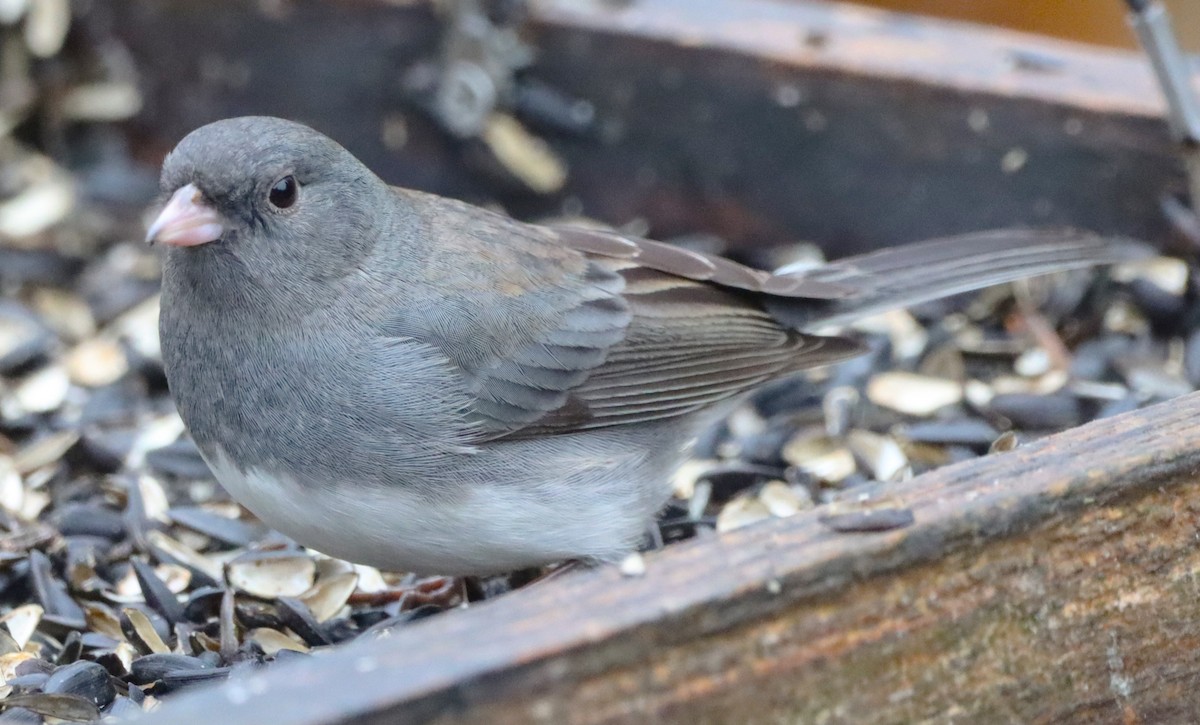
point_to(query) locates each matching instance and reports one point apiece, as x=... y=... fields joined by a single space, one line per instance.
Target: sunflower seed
x=167 y=549
x=957 y=431
x=46 y=201
x=87 y=680
x=72 y=649
x=866 y=516
x=104 y=101
x=103 y=620
x=880 y=455
x=913 y=394
x=64 y=311
x=741 y=512
x=222 y=528
x=1033 y=362
x=528 y=158
x=153 y=667
x=821 y=456
x=43 y=391
x=8 y=644
x=141 y=631
x=181 y=679
x=272 y=574
x=783 y=500
x=138 y=327
x=370 y=579
x=683 y=482
x=12 y=10
x=327 y=597
x=116 y=660
x=157 y=595
x=228 y=627
x=44 y=451
x=22 y=622
x=52 y=594
x=19 y=716
x=1007 y=441
x=12 y=488
x=28 y=683
x=180 y=459
x=1151 y=380
x=272 y=641
x=96 y=362
x=907 y=336
x=88 y=520
x=1039 y=412
x=24 y=340
x=203 y=604
x=46 y=26
x=64 y=707
x=1169 y=274
x=839 y=406
x=296 y=615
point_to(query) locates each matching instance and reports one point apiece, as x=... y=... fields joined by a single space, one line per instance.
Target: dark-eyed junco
x=415 y=383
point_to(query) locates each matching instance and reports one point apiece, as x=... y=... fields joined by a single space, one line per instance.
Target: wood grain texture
x=1054 y=582
x=874 y=43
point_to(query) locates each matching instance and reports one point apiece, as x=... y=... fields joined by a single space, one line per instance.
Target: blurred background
x=539 y=105
x=1089 y=22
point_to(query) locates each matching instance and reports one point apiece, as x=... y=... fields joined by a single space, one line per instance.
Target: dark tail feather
x=911 y=274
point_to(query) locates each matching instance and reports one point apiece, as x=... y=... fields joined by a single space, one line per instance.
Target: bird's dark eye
x=283 y=194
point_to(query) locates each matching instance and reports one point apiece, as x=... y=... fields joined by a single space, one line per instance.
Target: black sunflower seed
x=52 y=594
x=64 y=707
x=298 y=616
x=222 y=528
x=157 y=595
x=87 y=680
x=153 y=667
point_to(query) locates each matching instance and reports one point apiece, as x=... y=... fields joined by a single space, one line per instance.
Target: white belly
x=486 y=528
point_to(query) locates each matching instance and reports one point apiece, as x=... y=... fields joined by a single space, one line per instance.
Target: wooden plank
x=877 y=44
x=1058 y=581
x=759 y=121
x=856 y=128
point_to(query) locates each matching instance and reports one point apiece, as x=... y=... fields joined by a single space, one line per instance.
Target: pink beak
x=186 y=221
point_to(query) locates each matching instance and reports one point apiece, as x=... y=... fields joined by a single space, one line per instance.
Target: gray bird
x=415 y=383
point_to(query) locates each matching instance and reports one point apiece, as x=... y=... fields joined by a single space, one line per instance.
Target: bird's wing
x=688 y=344
x=564 y=329
x=559 y=330
x=703 y=328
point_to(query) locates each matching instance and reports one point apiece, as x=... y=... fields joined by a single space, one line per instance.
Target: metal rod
x=1152 y=24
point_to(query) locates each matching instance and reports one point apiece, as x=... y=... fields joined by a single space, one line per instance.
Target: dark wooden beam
x=760 y=121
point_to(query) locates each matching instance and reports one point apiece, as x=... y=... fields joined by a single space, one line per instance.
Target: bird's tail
x=915 y=273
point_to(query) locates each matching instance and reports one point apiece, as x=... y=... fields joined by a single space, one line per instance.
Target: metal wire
x=1152 y=24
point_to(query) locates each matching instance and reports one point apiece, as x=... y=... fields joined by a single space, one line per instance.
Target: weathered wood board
x=757 y=120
